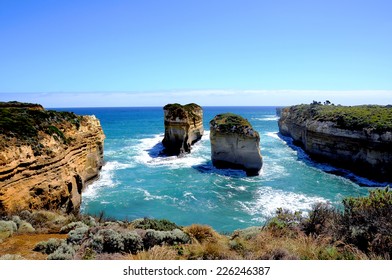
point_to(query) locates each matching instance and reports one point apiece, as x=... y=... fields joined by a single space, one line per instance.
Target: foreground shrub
x=64 y=252
x=155 y=224
x=285 y=222
x=132 y=242
x=323 y=219
x=72 y=226
x=108 y=240
x=153 y=237
x=201 y=233
x=50 y=246
x=367 y=222
x=77 y=235
x=7 y=229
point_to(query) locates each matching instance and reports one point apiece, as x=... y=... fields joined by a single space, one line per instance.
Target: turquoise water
x=135 y=182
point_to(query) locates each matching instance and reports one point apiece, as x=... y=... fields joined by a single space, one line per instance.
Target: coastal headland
x=356 y=138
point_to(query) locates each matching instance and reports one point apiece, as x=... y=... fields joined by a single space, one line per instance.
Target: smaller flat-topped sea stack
x=183 y=127
x=235 y=144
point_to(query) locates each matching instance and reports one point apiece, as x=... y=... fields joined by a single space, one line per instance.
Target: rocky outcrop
x=337 y=135
x=46 y=158
x=183 y=127
x=235 y=144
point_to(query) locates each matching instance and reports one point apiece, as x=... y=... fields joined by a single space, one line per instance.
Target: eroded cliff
x=183 y=127
x=357 y=138
x=235 y=144
x=46 y=157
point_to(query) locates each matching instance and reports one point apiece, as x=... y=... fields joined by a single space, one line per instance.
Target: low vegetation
x=373 y=117
x=362 y=230
x=231 y=123
x=183 y=111
x=24 y=122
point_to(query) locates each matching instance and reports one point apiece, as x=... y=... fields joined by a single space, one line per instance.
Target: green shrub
x=323 y=219
x=132 y=242
x=7 y=229
x=50 y=246
x=153 y=237
x=367 y=222
x=64 y=252
x=155 y=224
x=72 y=226
x=77 y=235
x=108 y=240
x=285 y=221
x=25 y=227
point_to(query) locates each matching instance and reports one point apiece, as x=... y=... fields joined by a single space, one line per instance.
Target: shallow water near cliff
x=137 y=182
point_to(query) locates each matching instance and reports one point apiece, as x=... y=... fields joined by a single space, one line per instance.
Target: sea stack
x=46 y=157
x=183 y=127
x=235 y=144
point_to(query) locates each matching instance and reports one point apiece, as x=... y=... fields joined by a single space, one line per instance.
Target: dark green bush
x=367 y=222
x=50 y=246
x=155 y=224
x=323 y=219
x=153 y=237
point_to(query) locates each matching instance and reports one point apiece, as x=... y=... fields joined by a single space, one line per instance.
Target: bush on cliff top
x=230 y=122
x=23 y=121
x=378 y=118
x=182 y=111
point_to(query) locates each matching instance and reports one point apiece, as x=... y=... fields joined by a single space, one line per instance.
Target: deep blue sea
x=136 y=182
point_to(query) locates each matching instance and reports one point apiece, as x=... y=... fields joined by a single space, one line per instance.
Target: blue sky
x=149 y=53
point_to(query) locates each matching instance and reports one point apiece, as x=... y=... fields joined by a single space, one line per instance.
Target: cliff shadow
x=157 y=151
x=328 y=167
x=208 y=168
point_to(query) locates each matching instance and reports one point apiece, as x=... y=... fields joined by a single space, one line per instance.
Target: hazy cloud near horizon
x=202 y=97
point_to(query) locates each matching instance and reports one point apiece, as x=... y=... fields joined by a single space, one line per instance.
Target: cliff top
x=183 y=111
x=232 y=123
x=16 y=104
x=24 y=121
x=375 y=117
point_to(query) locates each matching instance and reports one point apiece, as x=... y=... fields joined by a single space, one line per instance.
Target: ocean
x=137 y=182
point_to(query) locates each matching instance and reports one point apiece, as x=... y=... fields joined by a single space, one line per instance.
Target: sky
x=94 y=53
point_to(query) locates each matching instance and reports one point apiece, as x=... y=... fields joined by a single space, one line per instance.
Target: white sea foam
x=106 y=177
x=267 y=200
x=189 y=195
x=273 y=135
x=148 y=196
x=267 y=118
x=149 y=152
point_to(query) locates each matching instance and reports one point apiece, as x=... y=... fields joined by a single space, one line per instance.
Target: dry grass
x=156 y=253
x=24 y=244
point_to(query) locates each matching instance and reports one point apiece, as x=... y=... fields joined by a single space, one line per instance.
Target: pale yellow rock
x=235 y=144
x=53 y=180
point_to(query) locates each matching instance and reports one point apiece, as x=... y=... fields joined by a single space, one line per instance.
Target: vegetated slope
x=360 y=231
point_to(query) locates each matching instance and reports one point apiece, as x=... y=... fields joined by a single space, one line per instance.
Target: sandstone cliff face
x=364 y=151
x=183 y=127
x=235 y=144
x=48 y=168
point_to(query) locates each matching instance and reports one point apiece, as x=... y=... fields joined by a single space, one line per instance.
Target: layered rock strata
x=183 y=127
x=235 y=144
x=353 y=138
x=46 y=158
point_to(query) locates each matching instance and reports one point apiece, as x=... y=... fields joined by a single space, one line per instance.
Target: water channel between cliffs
x=135 y=182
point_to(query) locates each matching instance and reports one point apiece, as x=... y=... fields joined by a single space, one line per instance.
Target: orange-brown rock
x=46 y=158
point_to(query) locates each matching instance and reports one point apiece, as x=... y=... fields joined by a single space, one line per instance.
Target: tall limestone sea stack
x=183 y=127
x=235 y=144
x=46 y=157
x=356 y=138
